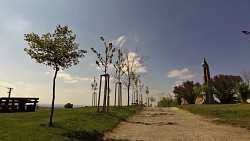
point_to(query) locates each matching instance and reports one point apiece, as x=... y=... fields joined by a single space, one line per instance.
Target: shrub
x=167 y=102
x=68 y=105
x=243 y=91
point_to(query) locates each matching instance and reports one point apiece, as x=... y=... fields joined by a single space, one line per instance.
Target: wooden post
x=108 y=93
x=137 y=97
x=115 y=94
x=141 y=100
x=100 y=86
x=92 y=99
x=105 y=95
x=106 y=99
x=120 y=94
x=10 y=91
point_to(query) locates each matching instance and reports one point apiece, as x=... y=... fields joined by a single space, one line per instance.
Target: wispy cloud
x=134 y=59
x=17 y=24
x=120 y=41
x=47 y=73
x=136 y=38
x=177 y=83
x=110 y=67
x=71 y=79
x=180 y=74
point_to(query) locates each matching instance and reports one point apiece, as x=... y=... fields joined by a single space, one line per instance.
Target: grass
x=234 y=114
x=69 y=124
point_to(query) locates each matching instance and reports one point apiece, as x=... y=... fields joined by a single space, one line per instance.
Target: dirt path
x=173 y=124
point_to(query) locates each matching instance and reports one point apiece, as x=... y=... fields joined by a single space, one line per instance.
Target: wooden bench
x=18 y=104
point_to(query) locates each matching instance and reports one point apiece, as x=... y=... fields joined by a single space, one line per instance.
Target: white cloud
x=70 y=79
x=120 y=41
x=3 y=85
x=177 y=83
x=47 y=73
x=92 y=64
x=25 y=85
x=17 y=24
x=136 y=38
x=181 y=74
x=110 y=67
x=134 y=60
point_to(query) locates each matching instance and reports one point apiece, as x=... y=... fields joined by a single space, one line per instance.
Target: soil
x=173 y=124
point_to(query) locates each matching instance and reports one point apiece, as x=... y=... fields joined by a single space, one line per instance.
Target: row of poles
x=106 y=97
x=9 y=92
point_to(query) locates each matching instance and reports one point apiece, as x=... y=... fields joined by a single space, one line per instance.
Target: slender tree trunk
x=53 y=98
x=128 y=95
x=117 y=94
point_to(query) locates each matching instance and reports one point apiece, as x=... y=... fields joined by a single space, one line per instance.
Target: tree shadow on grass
x=84 y=135
x=77 y=135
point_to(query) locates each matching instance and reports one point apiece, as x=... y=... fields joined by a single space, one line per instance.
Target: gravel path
x=173 y=124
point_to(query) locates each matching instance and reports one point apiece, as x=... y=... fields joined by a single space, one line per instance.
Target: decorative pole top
x=94 y=85
x=204 y=62
x=246 y=32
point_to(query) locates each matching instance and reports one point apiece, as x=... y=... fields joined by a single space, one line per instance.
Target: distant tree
x=225 y=87
x=186 y=91
x=152 y=99
x=68 y=105
x=244 y=92
x=135 y=84
x=133 y=62
x=204 y=91
x=179 y=93
x=147 y=93
x=245 y=73
x=57 y=50
x=167 y=102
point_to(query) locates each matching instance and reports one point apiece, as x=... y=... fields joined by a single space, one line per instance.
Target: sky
x=174 y=34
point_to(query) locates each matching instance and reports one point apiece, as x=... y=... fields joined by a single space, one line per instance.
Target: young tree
x=147 y=93
x=141 y=87
x=119 y=65
x=186 y=91
x=225 y=87
x=57 y=50
x=103 y=63
x=152 y=99
x=245 y=73
x=133 y=63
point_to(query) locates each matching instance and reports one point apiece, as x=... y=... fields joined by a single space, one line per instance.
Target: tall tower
x=209 y=99
x=205 y=72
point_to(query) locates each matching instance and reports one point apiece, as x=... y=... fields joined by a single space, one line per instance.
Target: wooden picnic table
x=18 y=104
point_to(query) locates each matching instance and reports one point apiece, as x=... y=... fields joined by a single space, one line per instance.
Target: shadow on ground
x=83 y=135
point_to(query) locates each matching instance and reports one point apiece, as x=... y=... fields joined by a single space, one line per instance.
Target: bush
x=68 y=105
x=243 y=91
x=167 y=102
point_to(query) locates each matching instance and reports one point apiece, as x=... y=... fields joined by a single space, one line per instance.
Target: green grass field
x=234 y=114
x=69 y=124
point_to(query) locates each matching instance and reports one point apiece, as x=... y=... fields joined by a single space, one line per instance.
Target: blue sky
x=174 y=34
